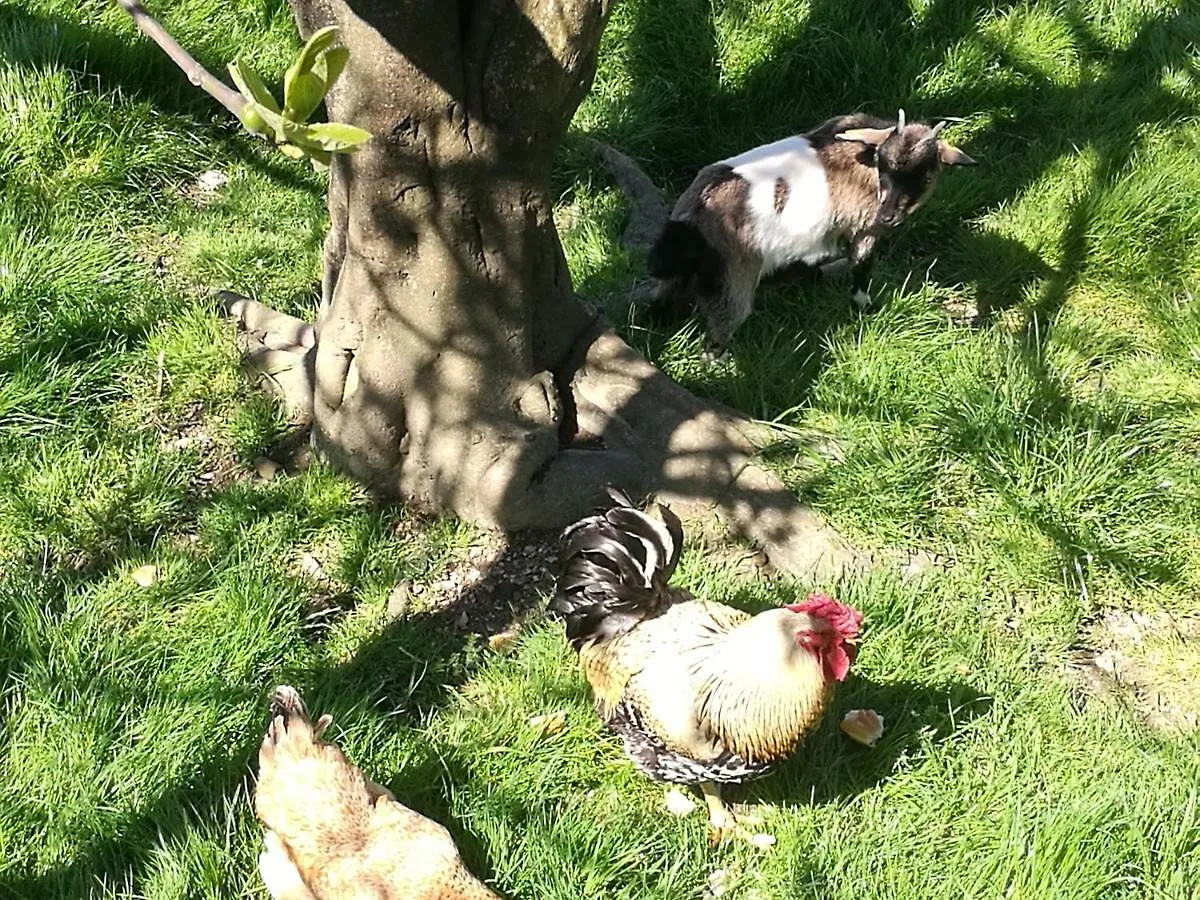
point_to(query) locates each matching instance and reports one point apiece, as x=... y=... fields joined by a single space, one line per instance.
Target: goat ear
x=872 y=136
x=949 y=155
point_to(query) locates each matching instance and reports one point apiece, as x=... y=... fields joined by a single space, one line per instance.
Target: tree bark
x=453 y=364
x=447 y=302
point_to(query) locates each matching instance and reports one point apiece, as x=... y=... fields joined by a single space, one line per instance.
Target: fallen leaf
x=265 y=468
x=863 y=725
x=720 y=881
x=212 y=180
x=503 y=641
x=549 y=724
x=678 y=803
x=309 y=566
x=144 y=576
x=397 y=602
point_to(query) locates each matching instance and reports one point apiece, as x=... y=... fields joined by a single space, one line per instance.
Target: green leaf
x=270 y=122
x=337 y=137
x=321 y=40
x=250 y=85
x=302 y=94
x=292 y=150
x=330 y=65
x=320 y=159
x=252 y=120
x=297 y=133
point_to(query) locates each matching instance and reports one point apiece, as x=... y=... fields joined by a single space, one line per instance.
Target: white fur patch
x=862 y=299
x=803 y=231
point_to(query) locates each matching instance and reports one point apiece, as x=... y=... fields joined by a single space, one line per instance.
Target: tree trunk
x=447 y=305
x=453 y=365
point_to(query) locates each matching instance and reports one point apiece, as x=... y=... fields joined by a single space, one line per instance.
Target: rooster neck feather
x=757 y=691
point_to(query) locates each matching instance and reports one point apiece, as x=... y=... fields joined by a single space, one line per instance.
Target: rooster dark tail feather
x=614 y=569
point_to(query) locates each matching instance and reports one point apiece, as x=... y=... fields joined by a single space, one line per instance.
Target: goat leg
x=725 y=312
x=862 y=257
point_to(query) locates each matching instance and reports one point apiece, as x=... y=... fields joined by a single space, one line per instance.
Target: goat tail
x=614 y=568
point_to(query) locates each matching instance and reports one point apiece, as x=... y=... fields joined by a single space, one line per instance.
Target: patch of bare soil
x=1149 y=662
x=216 y=467
x=500 y=583
x=491 y=589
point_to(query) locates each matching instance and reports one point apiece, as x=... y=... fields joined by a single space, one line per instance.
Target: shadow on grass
x=125 y=62
x=403 y=674
x=830 y=768
x=407 y=671
x=686 y=107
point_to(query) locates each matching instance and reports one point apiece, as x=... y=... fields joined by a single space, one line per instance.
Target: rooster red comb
x=846 y=620
x=837 y=650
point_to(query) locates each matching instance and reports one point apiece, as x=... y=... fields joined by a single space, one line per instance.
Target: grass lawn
x=1025 y=407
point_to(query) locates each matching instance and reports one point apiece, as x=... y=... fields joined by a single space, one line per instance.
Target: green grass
x=1050 y=449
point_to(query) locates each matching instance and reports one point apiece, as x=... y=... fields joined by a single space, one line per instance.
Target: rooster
x=699 y=693
x=333 y=834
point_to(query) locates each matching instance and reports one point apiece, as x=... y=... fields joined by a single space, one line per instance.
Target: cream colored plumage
x=699 y=692
x=333 y=834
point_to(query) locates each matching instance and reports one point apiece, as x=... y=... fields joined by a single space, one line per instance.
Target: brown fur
x=721 y=195
x=853 y=187
x=781 y=194
x=875 y=182
x=332 y=833
x=715 y=203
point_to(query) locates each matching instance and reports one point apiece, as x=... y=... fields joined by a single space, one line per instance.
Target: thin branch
x=196 y=73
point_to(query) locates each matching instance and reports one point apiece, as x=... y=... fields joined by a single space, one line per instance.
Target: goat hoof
x=862 y=300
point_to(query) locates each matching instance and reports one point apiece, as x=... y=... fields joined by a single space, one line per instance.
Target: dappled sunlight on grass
x=1023 y=406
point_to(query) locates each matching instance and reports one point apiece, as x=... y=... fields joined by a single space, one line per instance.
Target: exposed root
x=635 y=428
x=700 y=460
x=277 y=351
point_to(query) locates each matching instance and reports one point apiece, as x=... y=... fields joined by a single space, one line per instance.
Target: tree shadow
x=402 y=675
x=407 y=671
x=686 y=105
x=105 y=55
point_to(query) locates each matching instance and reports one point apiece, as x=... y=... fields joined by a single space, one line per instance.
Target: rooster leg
x=721 y=822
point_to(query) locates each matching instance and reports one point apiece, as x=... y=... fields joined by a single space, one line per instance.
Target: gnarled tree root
x=634 y=427
x=700 y=459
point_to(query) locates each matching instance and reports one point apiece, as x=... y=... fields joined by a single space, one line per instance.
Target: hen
x=333 y=834
x=700 y=693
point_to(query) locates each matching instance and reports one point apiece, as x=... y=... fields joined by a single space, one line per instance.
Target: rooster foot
x=724 y=829
x=723 y=824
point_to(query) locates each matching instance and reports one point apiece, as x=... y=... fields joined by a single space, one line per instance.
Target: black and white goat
x=810 y=199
